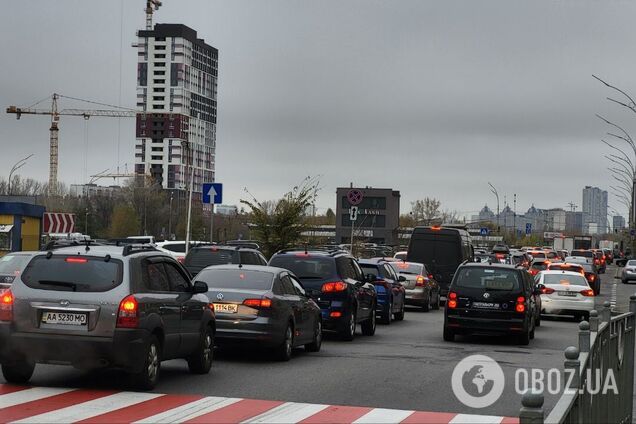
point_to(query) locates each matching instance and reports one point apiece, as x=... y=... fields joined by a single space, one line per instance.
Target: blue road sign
x=212 y=193
x=528 y=228
x=483 y=231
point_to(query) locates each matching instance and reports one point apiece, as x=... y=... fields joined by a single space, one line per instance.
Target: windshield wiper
x=72 y=286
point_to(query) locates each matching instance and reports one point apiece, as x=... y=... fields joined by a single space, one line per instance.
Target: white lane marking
x=29 y=395
x=381 y=416
x=91 y=408
x=477 y=419
x=289 y=412
x=190 y=410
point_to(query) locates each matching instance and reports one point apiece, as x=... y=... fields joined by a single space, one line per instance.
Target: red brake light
x=335 y=314
x=181 y=260
x=336 y=286
x=419 y=282
x=436 y=228
x=534 y=271
x=452 y=300
x=430 y=276
x=499 y=255
x=521 y=304
x=587 y=293
x=76 y=260
x=591 y=277
x=547 y=290
x=258 y=303
x=6 y=306
x=128 y=315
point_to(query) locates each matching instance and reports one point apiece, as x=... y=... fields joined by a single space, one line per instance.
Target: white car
x=401 y=255
x=565 y=293
x=628 y=273
x=176 y=248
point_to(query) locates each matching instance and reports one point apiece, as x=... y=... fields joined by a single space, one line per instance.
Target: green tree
x=125 y=221
x=280 y=224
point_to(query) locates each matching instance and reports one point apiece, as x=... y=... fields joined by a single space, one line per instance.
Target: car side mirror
x=200 y=287
x=401 y=278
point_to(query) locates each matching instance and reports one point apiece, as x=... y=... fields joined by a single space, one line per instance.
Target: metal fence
x=606 y=350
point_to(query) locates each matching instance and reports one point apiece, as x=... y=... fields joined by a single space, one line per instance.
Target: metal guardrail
x=606 y=346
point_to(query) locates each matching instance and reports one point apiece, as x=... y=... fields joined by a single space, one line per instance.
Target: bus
x=442 y=250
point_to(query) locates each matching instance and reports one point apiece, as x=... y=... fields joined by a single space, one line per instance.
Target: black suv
x=105 y=306
x=492 y=299
x=202 y=257
x=337 y=284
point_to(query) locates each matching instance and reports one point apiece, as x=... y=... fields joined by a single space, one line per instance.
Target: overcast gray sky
x=432 y=98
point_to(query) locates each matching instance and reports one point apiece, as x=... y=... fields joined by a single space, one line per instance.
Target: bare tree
x=426 y=211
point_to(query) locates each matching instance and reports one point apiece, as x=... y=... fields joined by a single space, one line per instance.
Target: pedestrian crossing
x=21 y=404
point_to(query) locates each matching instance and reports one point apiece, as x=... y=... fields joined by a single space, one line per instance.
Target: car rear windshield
x=631 y=263
x=565 y=279
x=540 y=255
x=559 y=267
x=204 y=257
x=585 y=253
x=175 y=247
x=72 y=273
x=407 y=268
x=552 y=255
x=237 y=279
x=488 y=279
x=370 y=269
x=541 y=266
x=13 y=264
x=306 y=266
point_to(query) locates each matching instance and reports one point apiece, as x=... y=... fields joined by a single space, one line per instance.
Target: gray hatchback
x=125 y=307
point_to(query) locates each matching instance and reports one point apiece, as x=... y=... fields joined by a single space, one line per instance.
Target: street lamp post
x=19 y=164
x=170 y=217
x=494 y=191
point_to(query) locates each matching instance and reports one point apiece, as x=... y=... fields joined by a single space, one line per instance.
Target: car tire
x=449 y=335
x=399 y=316
x=283 y=352
x=427 y=304
x=438 y=300
x=19 y=372
x=201 y=360
x=623 y=281
x=537 y=320
x=348 y=332
x=368 y=326
x=387 y=315
x=524 y=339
x=315 y=345
x=531 y=335
x=147 y=378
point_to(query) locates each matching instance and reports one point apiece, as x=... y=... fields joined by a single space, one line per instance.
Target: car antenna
x=305 y=248
x=87 y=247
x=240 y=265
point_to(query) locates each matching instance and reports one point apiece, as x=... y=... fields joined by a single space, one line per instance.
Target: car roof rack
x=130 y=249
x=319 y=248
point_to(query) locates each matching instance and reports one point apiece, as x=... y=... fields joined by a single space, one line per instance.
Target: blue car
x=388 y=285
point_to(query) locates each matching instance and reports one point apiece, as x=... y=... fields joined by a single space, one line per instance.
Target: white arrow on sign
x=353 y=213
x=212 y=194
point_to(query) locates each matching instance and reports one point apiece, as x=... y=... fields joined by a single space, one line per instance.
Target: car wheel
x=315 y=345
x=531 y=334
x=427 y=303
x=147 y=378
x=387 y=315
x=399 y=316
x=18 y=372
x=449 y=335
x=284 y=351
x=524 y=339
x=348 y=331
x=624 y=281
x=201 y=361
x=537 y=320
x=437 y=301
x=368 y=326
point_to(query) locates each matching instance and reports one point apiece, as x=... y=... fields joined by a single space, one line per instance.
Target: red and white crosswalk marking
x=53 y=405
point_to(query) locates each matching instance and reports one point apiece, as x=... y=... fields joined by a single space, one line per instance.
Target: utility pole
x=170 y=217
x=514 y=214
x=494 y=191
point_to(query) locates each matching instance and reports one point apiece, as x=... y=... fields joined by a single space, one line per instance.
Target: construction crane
x=151 y=6
x=117 y=112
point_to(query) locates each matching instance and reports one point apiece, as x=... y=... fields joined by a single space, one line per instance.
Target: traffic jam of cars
x=131 y=303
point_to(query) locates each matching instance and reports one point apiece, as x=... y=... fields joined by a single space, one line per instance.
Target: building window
x=160 y=56
x=159 y=81
x=159 y=90
x=160 y=72
x=157 y=106
x=160 y=47
x=160 y=64
x=158 y=98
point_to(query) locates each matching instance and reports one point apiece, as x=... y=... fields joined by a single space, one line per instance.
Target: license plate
x=225 y=308
x=64 y=318
x=567 y=293
x=485 y=305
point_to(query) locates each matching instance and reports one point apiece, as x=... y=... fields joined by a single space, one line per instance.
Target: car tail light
x=452 y=300
x=261 y=303
x=335 y=314
x=534 y=271
x=587 y=293
x=547 y=290
x=430 y=276
x=521 y=304
x=336 y=286
x=128 y=315
x=6 y=306
x=419 y=282
x=181 y=260
x=591 y=277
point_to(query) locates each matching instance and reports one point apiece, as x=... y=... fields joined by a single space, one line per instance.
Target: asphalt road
x=406 y=365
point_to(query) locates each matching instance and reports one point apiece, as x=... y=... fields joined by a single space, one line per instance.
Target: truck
x=563 y=243
x=582 y=242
